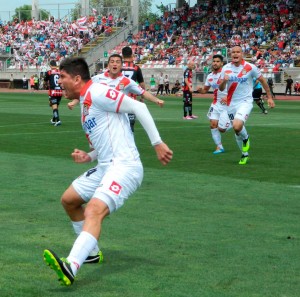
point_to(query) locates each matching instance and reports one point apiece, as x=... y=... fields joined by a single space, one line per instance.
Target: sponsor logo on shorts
x=115 y=187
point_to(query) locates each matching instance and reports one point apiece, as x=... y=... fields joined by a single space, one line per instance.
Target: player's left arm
x=265 y=85
x=203 y=90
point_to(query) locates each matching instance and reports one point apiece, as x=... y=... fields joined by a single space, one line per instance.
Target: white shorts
x=109 y=182
x=219 y=113
x=240 y=110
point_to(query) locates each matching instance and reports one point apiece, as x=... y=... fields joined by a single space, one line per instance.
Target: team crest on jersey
x=244 y=71
x=121 y=87
x=210 y=80
x=85 y=110
x=112 y=94
x=228 y=71
x=115 y=188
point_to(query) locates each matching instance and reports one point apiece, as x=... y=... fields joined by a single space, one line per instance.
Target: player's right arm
x=224 y=80
x=73 y=103
x=147 y=95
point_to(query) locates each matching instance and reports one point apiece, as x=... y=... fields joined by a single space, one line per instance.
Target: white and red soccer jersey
x=213 y=81
x=240 y=84
x=107 y=130
x=121 y=83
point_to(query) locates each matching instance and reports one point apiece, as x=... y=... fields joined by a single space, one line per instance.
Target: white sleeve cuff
x=93 y=155
x=143 y=115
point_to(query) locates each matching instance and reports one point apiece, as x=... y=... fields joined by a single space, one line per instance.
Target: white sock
x=243 y=133
x=216 y=136
x=82 y=247
x=77 y=226
x=239 y=141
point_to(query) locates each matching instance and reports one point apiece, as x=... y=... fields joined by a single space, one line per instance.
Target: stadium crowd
x=268 y=32
x=34 y=43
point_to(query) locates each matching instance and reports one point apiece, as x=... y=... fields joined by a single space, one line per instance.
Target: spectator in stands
x=167 y=85
x=25 y=82
x=289 y=85
x=297 y=88
x=176 y=87
x=161 y=82
x=11 y=79
x=36 y=82
x=31 y=81
x=152 y=83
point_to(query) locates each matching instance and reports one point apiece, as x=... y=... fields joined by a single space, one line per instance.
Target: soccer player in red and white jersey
x=54 y=91
x=217 y=113
x=114 y=78
x=119 y=171
x=237 y=79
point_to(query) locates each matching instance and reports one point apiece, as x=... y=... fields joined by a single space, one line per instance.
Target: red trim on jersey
x=106 y=74
x=216 y=72
x=232 y=88
x=124 y=81
x=215 y=96
x=120 y=102
x=87 y=102
x=85 y=87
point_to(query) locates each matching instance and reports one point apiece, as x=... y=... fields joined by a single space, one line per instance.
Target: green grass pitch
x=203 y=226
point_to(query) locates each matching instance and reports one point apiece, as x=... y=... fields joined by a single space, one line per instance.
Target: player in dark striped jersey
x=55 y=92
x=133 y=71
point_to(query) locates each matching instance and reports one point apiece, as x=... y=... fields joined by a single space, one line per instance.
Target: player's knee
x=222 y=130
x=237 y=125
x=213 y=124
x=70 y=199
x=96 y=210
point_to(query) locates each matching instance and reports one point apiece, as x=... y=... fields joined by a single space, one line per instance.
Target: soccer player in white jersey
x=237 y=79
x=114 y=78
x=217 y=113
x=119 y=171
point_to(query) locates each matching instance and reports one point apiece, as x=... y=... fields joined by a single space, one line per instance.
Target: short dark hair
x=115 y=56
x=126 y=52
x=76 y=66
x=53 y=63
x=218 y=57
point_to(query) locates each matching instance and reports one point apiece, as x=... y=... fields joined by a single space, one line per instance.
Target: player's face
x=191 y=65
x=236 y=55
x=68 y=84
x=114 y=66
x=217 y=64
